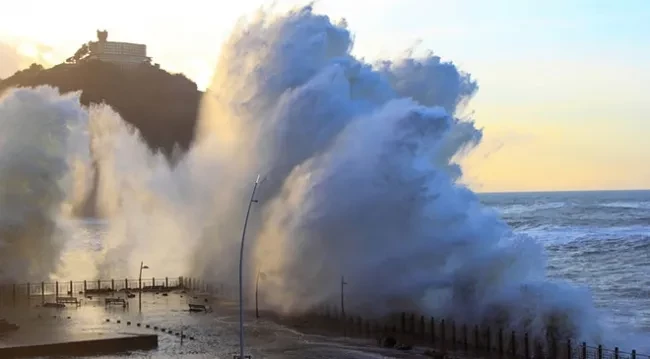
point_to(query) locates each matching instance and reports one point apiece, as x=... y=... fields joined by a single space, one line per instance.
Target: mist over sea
x=361 y=171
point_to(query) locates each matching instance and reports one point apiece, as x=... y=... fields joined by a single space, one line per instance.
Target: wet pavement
x=207 y=335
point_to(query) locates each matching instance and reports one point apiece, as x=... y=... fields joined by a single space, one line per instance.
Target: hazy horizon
x=561 y=98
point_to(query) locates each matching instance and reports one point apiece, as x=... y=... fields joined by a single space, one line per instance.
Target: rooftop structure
x=125 y=54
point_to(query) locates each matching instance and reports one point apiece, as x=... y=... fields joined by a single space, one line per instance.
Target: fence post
x=600 y=351
x=432 y=325
x=153 y=281
x=569 y=348
x=584 y=350
x=42 y=292
x=554 y=347
x=465 y=344
x=488 y=341
x=527 y=346
x=513 y=344
x=453 y=335
x=500 y=338
x=633 y=354
x=99 y=284
x=71 y=294
x=112 y=284
x=443 y=340
x=616 y=353
x=423 y=328
x=166 y=282
x=56 y=290
x=126 y=283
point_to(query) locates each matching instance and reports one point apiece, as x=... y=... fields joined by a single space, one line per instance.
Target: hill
x=163 y=106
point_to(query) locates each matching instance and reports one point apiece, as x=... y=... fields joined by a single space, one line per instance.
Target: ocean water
x=597 y=239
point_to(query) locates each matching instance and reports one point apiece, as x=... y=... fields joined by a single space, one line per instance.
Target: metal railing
x=443 y=335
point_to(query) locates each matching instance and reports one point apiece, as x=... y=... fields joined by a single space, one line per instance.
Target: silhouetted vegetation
x=161 y=105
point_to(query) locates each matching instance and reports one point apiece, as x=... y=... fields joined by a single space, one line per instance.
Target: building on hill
x=124 y=54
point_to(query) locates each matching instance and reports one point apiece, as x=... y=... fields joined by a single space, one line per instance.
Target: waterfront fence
x=442 y=335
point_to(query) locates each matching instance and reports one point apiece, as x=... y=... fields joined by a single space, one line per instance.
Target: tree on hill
x=79 y=55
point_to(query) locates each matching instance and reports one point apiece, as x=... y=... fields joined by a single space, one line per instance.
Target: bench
x=68 y=300
x=198 y=308
x=121 y=301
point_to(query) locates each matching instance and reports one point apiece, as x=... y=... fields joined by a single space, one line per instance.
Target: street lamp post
x=241 y=261
x=142 y=266
x=343 y=283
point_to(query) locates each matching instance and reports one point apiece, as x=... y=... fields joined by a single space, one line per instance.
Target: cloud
x=17 y=56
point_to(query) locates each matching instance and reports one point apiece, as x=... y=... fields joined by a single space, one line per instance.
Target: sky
x=562 y=83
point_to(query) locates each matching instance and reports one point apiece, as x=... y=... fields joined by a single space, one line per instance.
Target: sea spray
x=362 y=184
x=43 y=150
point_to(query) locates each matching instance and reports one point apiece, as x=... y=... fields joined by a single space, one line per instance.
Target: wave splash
x=361 y=182
x=43 y=152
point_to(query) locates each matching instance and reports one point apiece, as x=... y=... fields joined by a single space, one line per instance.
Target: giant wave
x=361 y=181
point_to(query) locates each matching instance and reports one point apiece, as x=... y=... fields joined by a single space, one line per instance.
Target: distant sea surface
x=598 y=239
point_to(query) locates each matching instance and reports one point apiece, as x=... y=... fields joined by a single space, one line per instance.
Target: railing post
x=166 y=282
x=600 y=351
x=584 y=350
x=99 y=284
x=126 y=283
x=423 y=328
x=112 y=284
x=569 y=349
x=56 y=290
x=616 y=353
x=453 y=335
x=42 y=292
x=527 y=346
x=71 y=289
x=513 y=344
x=465 y=341
x=488 y=340
x=500 y=338
x=432 y=325
x=443 y=339
x=85 y=287
x=633 y=354
x=153 y=281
